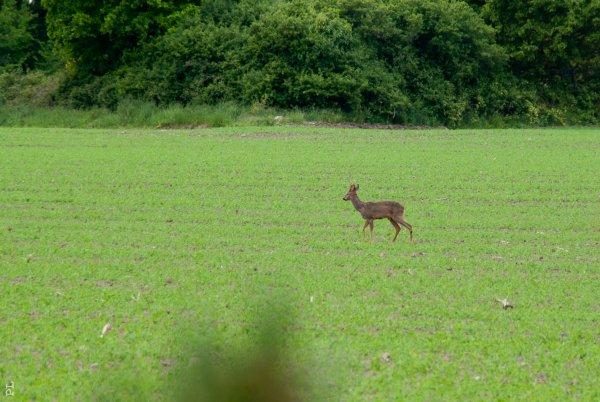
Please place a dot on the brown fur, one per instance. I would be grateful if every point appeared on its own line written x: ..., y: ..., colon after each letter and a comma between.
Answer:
x: 370, y: 211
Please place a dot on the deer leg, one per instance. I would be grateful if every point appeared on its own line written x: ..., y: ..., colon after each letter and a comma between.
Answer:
x: 396, y: 226
x: 371, y: 226
x: 406, y: 225
x: 364, y: 227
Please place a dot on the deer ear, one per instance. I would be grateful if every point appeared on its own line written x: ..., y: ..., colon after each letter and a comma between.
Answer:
x: 356, y: 187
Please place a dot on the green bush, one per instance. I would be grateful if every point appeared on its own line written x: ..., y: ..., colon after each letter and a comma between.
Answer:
x: 404, y: 61
x: 555, y: 46
x: 16, y: 41
x: 433, y: 62
x: 34, y: 88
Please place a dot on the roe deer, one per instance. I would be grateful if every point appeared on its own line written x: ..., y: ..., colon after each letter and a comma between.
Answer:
x: 370, y: 211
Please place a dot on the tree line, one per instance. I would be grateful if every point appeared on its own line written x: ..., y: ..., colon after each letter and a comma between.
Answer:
x: 432, y: 62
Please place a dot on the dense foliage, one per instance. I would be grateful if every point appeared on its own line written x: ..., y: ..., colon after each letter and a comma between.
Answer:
x: 405, y: 61
x: 554, y: 44
x: 16, y: 40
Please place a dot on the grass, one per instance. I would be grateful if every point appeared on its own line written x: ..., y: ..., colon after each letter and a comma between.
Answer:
x: 175, y: 237
x: 140, y: 114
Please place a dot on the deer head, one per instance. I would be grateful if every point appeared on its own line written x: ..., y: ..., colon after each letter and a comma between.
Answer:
x: 351, y: 192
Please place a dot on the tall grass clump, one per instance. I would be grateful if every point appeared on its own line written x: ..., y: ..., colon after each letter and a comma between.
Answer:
x: 145, y: 114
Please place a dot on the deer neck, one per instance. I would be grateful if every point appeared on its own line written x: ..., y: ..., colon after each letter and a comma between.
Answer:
x: 358, y: 204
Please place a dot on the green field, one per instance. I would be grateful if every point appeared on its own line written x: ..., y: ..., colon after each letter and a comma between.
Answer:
x: 173, y: 235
